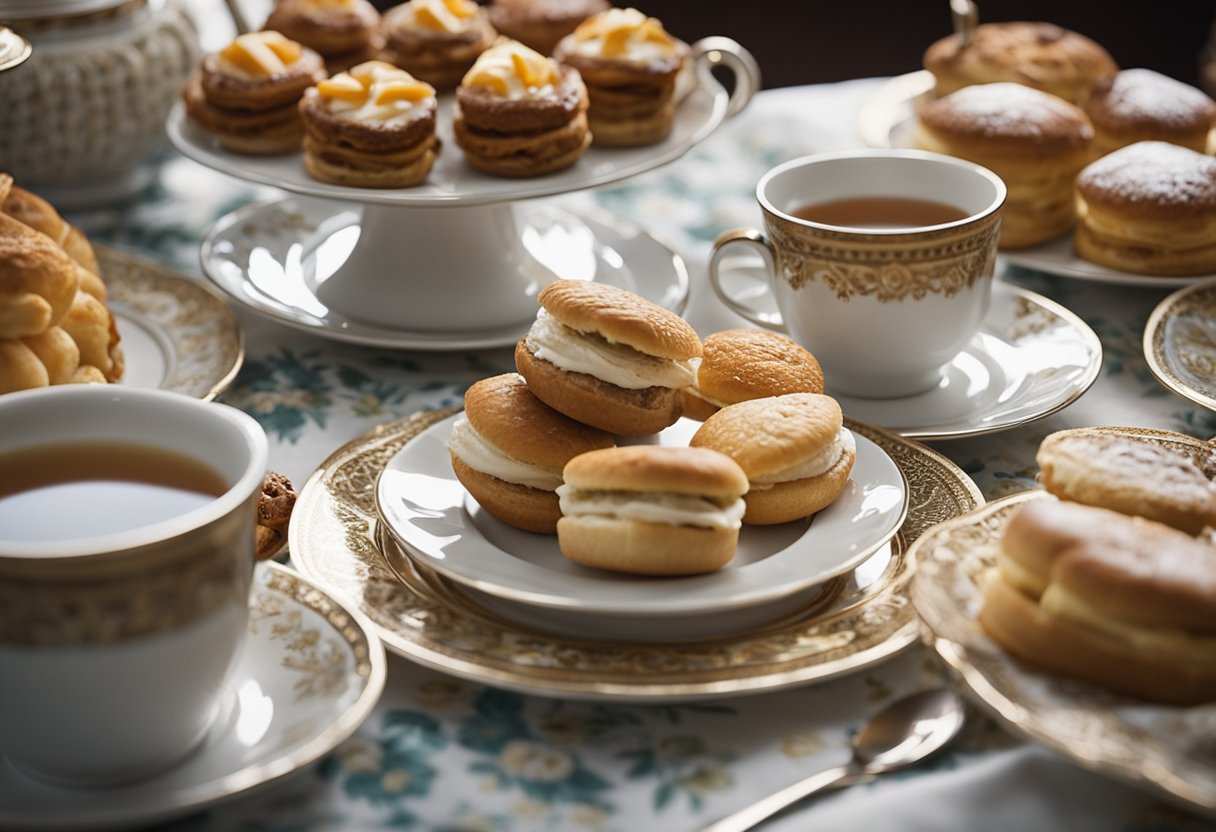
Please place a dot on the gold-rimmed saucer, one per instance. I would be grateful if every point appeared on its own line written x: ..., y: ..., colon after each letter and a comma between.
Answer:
x: 334, y: 538
x: 1180, y: 343
x: 1166, y: 749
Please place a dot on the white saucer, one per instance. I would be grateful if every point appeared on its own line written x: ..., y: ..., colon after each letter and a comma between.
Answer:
x: 274, y: 257
x: 1031, y: 358
x: 311, y: 672
x: 431, y: 515
x: 888, y: 119
x: 177, y: 334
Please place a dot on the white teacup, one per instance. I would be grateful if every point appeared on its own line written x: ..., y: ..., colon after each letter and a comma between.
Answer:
x: 883, y: 308
x: 116, y: 643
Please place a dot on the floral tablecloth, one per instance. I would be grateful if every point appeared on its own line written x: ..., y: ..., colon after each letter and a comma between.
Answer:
x: 444, y: 754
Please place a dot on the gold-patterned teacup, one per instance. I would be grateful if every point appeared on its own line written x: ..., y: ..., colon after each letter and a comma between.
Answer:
x: 896, y: 282
x: 126, y: 560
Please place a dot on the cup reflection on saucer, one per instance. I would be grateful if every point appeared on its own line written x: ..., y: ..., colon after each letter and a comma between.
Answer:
x: 880, y: 263
x: 124, y: 575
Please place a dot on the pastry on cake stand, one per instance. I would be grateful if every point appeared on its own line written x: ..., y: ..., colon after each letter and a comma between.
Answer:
x: 456, y: 262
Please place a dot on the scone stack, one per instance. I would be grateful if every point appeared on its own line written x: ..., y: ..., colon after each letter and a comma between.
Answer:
x: 55, y: 327
x: 1107, y: 583
x: 537, y: 449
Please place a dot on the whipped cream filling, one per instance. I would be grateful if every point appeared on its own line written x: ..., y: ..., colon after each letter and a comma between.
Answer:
x: 818, y: 464
x: 651, y: 507
x: 392, y: 114
x: 476, y: 452
x: 633, y: 35
x: 578, y: 352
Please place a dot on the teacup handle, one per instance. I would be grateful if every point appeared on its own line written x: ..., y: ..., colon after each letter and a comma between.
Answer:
x: 755, y: 240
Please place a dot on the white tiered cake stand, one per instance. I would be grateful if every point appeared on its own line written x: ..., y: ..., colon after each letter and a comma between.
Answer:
x: 454, y: 263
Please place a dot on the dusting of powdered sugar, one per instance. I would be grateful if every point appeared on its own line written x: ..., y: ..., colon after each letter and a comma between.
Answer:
x: 1145, y: 97
x: 1008, y: 109
x: 1153, y: 173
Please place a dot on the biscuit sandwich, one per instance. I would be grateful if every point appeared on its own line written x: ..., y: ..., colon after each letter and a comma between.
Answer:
x: 742, y: 364
x: 795, y: 450
x: 510, y: 449
x: 607, y: 357
x: 1130, y: 476
x: 1121, y: 602
x: 651, y: 510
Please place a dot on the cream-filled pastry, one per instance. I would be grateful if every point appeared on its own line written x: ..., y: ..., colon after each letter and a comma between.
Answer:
x: 795, y: 450
x: 607, y: 357
x: 246, y: 95
x: 373, y: 127
x: 651, y: 510
x: 738, y: 365
x: 436, y: 40
x: 510, y: 449
x: 343, y: 32
x: 540, y: 24
x: 519, y: 114
x: 629, y: 63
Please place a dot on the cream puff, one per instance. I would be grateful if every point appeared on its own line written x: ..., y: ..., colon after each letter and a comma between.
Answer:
x: 742, y: 364
x: 630, y: 64
x: 651, y: 510
x: 343, y: 32
x: 436, y: 40
x: 540, y: 24
x: 1139, y: 105
x: 1121, y: 602
x: 519, y: 114
x: 795, y: 450
x: 246, y: 95
x: 373, y: 127
x: 1034, y: 141
x: 1039, y: 55
x: 1149, y: 208
x: 1127, y: 475
x: 510, y: 449
x: 607, y: 357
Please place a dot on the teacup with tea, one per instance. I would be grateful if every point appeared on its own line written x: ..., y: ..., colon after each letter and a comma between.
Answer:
x: 880, y: 262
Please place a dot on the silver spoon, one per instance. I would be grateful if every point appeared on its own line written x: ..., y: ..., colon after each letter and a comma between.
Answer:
x: 903, y: 733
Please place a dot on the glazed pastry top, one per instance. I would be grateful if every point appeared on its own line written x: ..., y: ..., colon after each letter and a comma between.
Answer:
x: 259, y: 56
x: 376, y: 92
x: 513, y: 71
x: 623, y: 34
x: 439, y: 16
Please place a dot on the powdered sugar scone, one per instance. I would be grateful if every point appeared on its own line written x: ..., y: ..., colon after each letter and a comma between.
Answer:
x: 519, y: 114
x: 436, y: 41
x: 343, y: 32
x: 510, y: 449
x: 373, y: 127
x: 607, y: 357
x: 630, y: 65
x: 795, y: 450
x: 1149, y: 208
x: 1034, y: 141
x: 246, y: 95
x: 1140, y: 105
x: 738, y: 365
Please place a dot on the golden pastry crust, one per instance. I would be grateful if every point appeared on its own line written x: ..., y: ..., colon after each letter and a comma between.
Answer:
x: 598, y: 403
x: 540, y: 24
x: 330, y: 30
x: 38, y: 281
x: 620, y: 316
x: 638, y: 548
x: 1039, y: 55
x: 91, y: 326
x: 510, y: 417
x: 1034, y: 141
x: 260, y: 132
x: 742, y: 364
x: 37, y: 213
x: 656, y: 468
x: 230, y: 92
x: 787, y: 501
x: 1128, y: 476
x: 1141, y: 105
x: 439, y: 58
x: 772, y: 434
x: 326, y: 128
x: 482, y: 109
x: 531, y: 509
x: 1149, y: 208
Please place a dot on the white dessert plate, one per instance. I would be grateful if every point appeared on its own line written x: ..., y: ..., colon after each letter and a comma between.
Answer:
x: 1165, y: 749
x: 431, y: 515
x: 453, y: 182
x: 888, y: 119
x: 273, y: 257
x: 177, y: 334
x: 1180, y: 343
x: 310, y: 673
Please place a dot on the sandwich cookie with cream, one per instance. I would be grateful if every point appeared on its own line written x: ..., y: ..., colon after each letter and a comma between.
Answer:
x: 738, y: 365
x: 651, y: 510
x: 510, y: 448
x: 795, y: 450
x: 607, y: 357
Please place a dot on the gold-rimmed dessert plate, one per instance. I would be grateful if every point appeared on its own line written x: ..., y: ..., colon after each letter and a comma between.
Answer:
x: 1180, y: 343
x: 336, y: 538
x: 1166, y: 749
